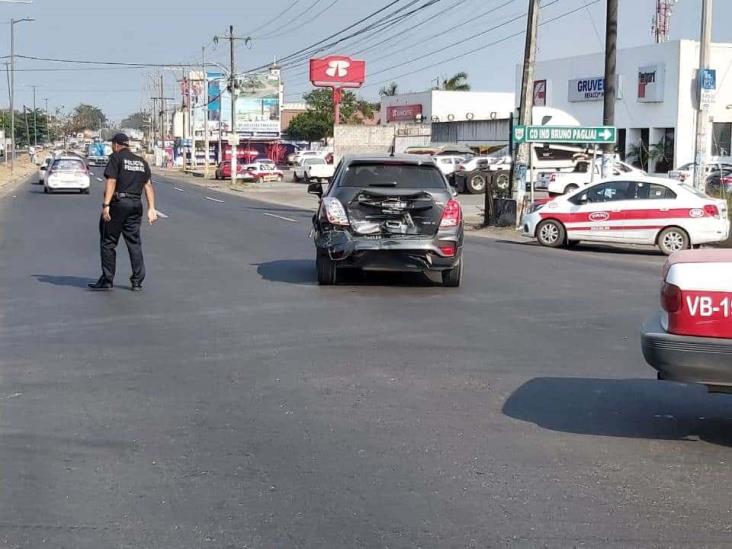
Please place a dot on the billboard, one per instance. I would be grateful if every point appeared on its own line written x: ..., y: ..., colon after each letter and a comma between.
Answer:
x: 403, y: 113
x: 586, y: 89
x: 258, y: 105
x: 651, y: 83
x: 337, y: 71
x: 540, y: 93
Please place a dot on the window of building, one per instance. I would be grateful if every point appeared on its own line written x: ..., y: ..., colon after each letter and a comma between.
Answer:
x: 722, y: 139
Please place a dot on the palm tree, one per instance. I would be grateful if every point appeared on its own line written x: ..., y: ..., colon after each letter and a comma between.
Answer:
x: 388, y: 90
x: 459, y: 82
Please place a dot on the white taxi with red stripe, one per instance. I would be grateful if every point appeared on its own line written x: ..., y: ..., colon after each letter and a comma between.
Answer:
x: 631, y: 210
x: 691, y: 339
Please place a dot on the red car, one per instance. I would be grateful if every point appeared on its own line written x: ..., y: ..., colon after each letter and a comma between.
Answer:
x: 690, y: 341
x: 224, y: 171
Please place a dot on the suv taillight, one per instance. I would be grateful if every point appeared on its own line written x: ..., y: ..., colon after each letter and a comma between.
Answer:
x: 670, y: 298
x: 452, y: 215
x: 334, y: 211
x: 711, y: 210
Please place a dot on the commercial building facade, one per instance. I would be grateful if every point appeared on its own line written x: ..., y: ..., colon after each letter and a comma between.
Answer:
x: 656, y: 99
x: 445, y: 106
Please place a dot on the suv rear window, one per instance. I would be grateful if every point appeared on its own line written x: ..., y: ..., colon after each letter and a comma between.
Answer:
x: 399, y: 176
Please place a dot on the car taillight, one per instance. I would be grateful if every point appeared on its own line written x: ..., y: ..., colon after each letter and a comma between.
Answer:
x: 448, y: 250
x: 711, y: 210
x: 452, y: 215
x: 334, y: 211
x: 670, y: 298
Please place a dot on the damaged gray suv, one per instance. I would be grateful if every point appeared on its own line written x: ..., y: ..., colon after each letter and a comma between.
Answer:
x: 388, y: 213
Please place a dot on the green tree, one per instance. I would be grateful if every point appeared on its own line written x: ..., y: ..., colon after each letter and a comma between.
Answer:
x: 353, y: 109
x: 458, y: 82
x: 309, y: 126
x: 86, y: 117
x: 136, y: 121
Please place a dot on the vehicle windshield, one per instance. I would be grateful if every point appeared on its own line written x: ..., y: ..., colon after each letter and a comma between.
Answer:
x: 68, y: 165
x: 400, y: 176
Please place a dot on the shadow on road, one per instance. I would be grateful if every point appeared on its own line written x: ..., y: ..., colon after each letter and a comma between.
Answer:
x: 594, y: 248
x: 62, y: 280
x: 292, y: 271
x: 629, y: 408
x: 302, y: 271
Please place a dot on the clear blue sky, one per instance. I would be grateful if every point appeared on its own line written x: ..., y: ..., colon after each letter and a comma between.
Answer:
x: 173, y: 31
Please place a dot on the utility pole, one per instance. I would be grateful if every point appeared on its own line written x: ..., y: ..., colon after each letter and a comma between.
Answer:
x: 206, y: 143
x: 48, y: 127
x: 702, y: 112
x: 35, y: 119
x: 526, y: 105
x: 12, y: 89
x: 162, y: 115
x: 232, y: 91
x: 611, y: 46
x: 183, y: 112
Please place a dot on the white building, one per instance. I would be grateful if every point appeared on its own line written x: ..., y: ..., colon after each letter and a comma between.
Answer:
x: 656, y: 97
x: 446, y: 106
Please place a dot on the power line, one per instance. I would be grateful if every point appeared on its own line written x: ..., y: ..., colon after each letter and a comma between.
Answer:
x: 295, y: 19
x: 275, y: 18
x: 474, y: 50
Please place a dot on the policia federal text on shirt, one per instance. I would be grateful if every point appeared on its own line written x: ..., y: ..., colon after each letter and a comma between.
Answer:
x: 128, y: 175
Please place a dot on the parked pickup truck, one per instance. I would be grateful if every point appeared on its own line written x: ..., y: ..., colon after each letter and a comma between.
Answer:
x: 565, y: 182
x: 313, y: 169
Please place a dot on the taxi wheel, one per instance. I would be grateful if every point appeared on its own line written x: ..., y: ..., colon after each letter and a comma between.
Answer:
x: 673, y: 239
x: 280, y: 179
x: 551, y: 233
x: 570, y: 188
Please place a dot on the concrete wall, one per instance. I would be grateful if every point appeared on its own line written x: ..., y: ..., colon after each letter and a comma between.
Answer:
x: 457, y: 105
x: 349, y: 139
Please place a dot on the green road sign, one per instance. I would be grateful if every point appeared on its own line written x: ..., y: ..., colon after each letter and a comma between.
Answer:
x: 565, y: 134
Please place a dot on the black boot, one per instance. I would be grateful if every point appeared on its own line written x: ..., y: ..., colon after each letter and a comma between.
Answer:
x: 101, y: 285
x: 136, y: 287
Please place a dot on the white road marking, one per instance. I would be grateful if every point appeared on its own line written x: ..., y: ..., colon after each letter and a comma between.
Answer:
x: 14, y: 395
x: 213, y: 199
x: 100, y: 179
x: 161, y: 214
x: 179, y: 190
x: 281, y: 217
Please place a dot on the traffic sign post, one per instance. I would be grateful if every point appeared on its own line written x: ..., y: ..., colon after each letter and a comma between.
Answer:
x: 565, y: 134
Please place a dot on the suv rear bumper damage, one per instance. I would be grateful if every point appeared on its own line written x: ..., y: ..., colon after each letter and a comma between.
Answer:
x: 387, y: 253
x: 687, y: 359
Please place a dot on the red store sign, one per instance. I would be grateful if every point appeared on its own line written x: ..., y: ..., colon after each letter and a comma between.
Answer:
x: 403, y: 113
x: 337, y: 71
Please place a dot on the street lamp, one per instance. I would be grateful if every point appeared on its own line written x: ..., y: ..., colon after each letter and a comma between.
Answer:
x: 12, y: 88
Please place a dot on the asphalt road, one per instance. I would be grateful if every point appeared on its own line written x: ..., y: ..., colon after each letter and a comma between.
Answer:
x: 234, y: 403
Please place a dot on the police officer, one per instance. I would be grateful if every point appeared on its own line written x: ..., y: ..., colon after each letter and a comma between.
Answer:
x: 128, y: 175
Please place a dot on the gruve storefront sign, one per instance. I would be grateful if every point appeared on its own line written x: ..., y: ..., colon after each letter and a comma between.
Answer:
x: 651, y: 83
x: 586, y: 89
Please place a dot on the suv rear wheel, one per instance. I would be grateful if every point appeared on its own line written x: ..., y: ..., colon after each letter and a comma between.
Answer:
x: 476, y: 183
x: 326, y: 268
x: 454, y: 276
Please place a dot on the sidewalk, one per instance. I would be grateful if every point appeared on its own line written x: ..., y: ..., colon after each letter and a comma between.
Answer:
x: 295, y: 195
x: 23, y: 169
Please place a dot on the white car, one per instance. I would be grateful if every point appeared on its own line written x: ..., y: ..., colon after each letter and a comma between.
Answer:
x: 448, y: 163
x: 297, y: 157
x: 630, y: 210
x: 690, y: 340
x: 65, y: 174
x: 313, y: 168
x: 686, y: 171
x: 566, y: 182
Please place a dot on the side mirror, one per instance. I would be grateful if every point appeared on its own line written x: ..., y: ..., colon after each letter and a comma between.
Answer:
x: 453, y: 191
x: 316, y: 189
x: 583, y: 198
x: 43, y: 168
